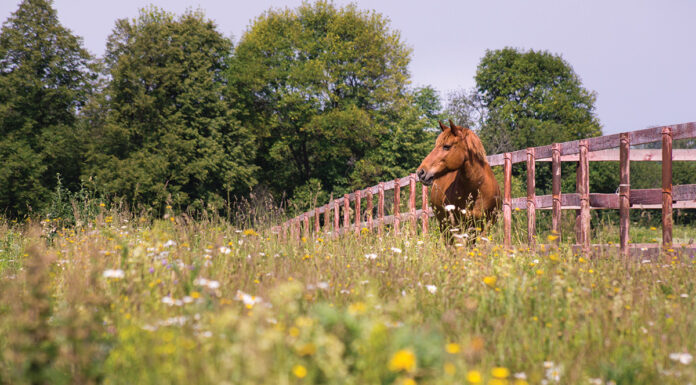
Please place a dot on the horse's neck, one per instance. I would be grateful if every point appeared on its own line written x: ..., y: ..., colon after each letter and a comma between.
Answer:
x: 471, y: 174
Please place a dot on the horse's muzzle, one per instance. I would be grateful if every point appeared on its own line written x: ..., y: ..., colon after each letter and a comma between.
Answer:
x: 425, y: 177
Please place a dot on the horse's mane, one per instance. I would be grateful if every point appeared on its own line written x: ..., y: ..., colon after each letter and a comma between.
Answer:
x: 473, y: 143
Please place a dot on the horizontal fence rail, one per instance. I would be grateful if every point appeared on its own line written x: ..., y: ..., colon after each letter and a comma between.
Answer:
x: 615, y: 147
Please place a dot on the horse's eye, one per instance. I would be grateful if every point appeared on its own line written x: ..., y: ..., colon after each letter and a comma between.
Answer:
x: 446, y: 147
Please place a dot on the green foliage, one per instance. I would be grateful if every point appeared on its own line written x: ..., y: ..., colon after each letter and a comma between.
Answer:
x: 318, y: 84
x: 407, y: 141
x: 534, y: 98
x: 167, y: 132
x: 45, y: 79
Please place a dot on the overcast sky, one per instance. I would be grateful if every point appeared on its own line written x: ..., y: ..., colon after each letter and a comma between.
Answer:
x: 638, y: 56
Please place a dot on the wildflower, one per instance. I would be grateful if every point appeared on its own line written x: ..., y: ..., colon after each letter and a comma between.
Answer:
x: 500, y: 372
x: 299, y: 371
x: 452, y: 348
x: 553, y: 371
x: 307, y: 349
x: 169, y: 243
x: 225, y: 250
x: 552, y: 238
x: 250, y: 232
x: 431, y: 288
x: 404, y: 359
x: 409, y: 381
x: 371, y: 256
x: 396, y: 250
x: 449, y: 207
x: 474, y: 377
x: 490, y: 280
x: 357, y: 308
x: 450, y: 368
x: 210, y: 284
x: 684, y: 358
x: 248, y: 300
x: 115, y: 274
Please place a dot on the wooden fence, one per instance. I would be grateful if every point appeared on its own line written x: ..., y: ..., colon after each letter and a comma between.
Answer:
x: 615, y: 147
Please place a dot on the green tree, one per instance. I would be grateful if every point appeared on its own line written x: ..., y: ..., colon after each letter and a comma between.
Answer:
x: 45, y: 79
x: 167, y: 131
x: 533, y: 98
x: 406, y: 142
x: 319, y: 84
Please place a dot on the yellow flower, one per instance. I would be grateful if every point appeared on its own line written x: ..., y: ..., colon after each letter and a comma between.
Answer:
x: 404, y: 359
x: 299, y: 371
x: 450, y: 368
x: 490, y: 280
x: 195, y: 294
x: 452, y: 348
x: 474, y: 377
x: 540, y: 272
x: 357, y: 308
x: 500, y: 372
x: 307, y: 349
x: 552, y: 238
x: 409, y: 381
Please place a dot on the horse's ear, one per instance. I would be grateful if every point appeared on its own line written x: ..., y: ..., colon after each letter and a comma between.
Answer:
x: 442, y: 126
x: 455, y: 129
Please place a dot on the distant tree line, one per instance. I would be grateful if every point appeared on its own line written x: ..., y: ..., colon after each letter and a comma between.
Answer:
x: 309, y: 102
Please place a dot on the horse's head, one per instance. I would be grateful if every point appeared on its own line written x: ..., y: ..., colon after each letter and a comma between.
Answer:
x: 454, y: 147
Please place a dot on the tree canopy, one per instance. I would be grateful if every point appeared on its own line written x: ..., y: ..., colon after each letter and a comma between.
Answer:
x: 169, y: 133
x: 319, y: 85
x: 44, y: 81
x: 533, y: 98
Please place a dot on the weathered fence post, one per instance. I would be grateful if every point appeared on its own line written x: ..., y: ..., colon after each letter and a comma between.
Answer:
x: 424, y: 214
x: 306, y: 228
x: 507, y: 201
x: 358, y: 195
x: 624, y: 192
x: 397, y: 203
x: 316, y: 221
x: 369, y: 209
x: 284, y: 231
x: 531, y: 199
x: 298, y: 230
x: 556, y: 192
x: 346, y: 213
x: 380, y: 207
x: 583, y: 188
x: 327, y: 214
x: 412, y: 201
x: 336, y: 217
x: 666, y: 187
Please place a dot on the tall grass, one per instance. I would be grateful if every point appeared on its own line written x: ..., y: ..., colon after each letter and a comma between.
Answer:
x: 131, y: 299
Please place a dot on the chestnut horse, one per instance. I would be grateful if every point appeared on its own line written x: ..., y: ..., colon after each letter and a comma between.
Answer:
x: 464, y: 191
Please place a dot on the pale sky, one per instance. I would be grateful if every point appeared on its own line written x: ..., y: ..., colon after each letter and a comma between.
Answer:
x: 638, y: 56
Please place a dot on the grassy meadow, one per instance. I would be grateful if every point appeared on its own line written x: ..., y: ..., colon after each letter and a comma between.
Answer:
x: 123, y: 299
